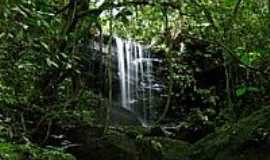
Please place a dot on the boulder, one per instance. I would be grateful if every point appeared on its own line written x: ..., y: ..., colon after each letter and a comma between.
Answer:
x: 247, y: 139
x: 125, y: 143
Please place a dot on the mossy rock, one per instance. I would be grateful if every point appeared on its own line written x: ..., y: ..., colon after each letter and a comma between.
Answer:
x: 119, y: 142
x: 93, y: 144
x: 247, y: 139
x: 125, y: 143
x: 171, y: 149
x: 10, y: 151
x: 132, y: 140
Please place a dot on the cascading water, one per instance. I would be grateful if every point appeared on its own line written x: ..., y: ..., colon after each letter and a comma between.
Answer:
x: 135, y: 76
x: 122, y: 73
x: 137, y: 92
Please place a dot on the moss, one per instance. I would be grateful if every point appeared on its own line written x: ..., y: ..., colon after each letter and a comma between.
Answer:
x: 171, y: 148
x: 122, y: 142
x: 134, y: 139
x: 10, y: 151
x: 133, y: 144
x: 234, y: 141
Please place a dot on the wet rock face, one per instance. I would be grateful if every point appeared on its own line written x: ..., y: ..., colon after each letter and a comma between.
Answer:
x: 120, y: 116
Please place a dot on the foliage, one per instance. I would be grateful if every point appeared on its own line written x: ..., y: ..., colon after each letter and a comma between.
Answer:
x: 216, y: 56
x: 10, y: 151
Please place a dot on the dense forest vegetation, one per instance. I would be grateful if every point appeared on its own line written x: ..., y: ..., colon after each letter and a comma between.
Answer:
x: 59, y: 94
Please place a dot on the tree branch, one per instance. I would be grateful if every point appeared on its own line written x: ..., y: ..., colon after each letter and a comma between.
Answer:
x: 230, y: 52
x: 236, y: 8
x: 207, y: 14
x: 106, y: 6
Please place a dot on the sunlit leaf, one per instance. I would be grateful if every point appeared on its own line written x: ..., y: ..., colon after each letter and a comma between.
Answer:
x: 45, y: 46
x: 51, y: 63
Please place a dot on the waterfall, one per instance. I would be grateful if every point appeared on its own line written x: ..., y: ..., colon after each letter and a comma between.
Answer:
x: 135, y: 78
x: 137, y: 93
x: 121, y: 69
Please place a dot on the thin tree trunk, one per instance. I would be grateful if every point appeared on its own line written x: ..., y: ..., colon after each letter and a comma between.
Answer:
x: 228, y: 68
x: 168, y: 102
x: 109, y: 62
x: 168, y: 39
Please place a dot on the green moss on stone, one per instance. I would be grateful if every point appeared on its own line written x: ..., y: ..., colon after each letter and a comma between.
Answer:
x: 235, y: 141
x: 172, y: 149
x: 10, y: 151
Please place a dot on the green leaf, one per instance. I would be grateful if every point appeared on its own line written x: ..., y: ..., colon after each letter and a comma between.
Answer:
x: 20, y: 11
x: 45, y: 46
x: 241, y: 91
x: 51, y: 63
x: 2, y: 35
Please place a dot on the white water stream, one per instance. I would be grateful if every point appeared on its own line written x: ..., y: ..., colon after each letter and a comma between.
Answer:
x: 135, y: 76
